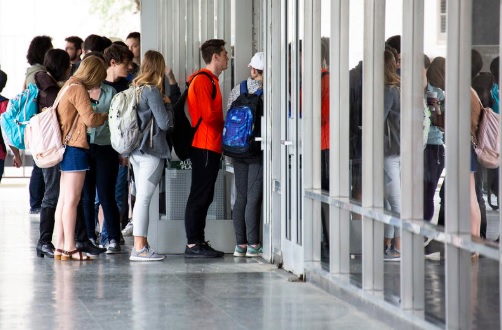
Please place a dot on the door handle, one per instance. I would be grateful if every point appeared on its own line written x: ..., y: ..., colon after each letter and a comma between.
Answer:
x: 286, y: 143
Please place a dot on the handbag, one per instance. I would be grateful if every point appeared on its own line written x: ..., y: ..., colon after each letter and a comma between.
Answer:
x: 488, y: 145
x: 43, y: 136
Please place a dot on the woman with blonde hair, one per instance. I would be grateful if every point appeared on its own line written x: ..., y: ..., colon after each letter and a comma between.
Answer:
x: 155, y: 117
x: 75, y: 115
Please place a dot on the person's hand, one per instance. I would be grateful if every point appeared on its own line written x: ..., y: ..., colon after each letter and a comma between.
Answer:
x: 105, y: 115
x: 167, y: 99
x: 17, y: 162
x: 170, y: 75
x: 123, y: 161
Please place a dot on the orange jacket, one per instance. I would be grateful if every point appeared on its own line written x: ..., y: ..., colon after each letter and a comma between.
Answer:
x: 201, y: 104
x: 324, y: 110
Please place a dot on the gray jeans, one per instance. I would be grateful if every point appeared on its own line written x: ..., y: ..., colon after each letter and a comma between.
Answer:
x: 249, y: 194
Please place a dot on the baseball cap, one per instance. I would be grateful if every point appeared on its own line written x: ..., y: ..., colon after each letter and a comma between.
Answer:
x: 257, y: 61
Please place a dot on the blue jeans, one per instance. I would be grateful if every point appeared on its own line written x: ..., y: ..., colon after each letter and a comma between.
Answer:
x: 37, y: 187
x: 101, y: 177
x: 121, y: 191
x: 392, y: 191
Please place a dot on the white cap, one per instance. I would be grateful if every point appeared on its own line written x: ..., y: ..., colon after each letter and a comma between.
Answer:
x: 257, y: 61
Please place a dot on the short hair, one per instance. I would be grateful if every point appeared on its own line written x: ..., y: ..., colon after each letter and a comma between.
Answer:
x: 94, y: 43
x: 210, y: 47
x: 427, y: 61
x: 436, y: 72
x: 118, y: 53
x: 3, y: 80
x: 119, y: 42
x: 91, y: 72
x: 152, y: 70
x: 394, y: 42
x: 57, y: 62
x: 76, y: 41
x: 134, y: 35
x: 38, y: 47
x: 494, y: 68
x: 96, y: 54
x: 106, y: 42
x: 476, y: 62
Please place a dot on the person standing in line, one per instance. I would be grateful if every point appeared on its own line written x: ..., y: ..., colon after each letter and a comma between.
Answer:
x: 57, y: 63
x: 103, y: 159
x: 73, y: 47
x: 155, y: 117
x: 248, y: 178
x: 35, y: 56
x: 75, y: 115
x: 392, y: 159
x: 207, y: 113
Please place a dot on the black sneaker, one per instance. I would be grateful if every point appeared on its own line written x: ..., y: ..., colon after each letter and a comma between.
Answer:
x: 202, y: 250
x: 89, y: 248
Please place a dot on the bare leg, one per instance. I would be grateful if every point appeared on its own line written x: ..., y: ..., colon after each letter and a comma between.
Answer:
x: 475, y: 212
x: 58, y: 224
x: 139, y: 242
x: 73, y: 183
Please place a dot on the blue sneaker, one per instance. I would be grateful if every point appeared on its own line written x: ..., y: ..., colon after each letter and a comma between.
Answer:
x: 256, y: 251
x: 240, y: 251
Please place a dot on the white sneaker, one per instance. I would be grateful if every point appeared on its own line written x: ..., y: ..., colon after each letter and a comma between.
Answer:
x: 145, y: 254
x: 127, y: 231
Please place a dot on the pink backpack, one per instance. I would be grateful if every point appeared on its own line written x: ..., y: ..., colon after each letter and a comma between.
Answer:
x: 43, y: 136
x: 488, y: 146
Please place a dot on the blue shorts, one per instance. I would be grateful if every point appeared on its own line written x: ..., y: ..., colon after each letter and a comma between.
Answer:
x: 74, y: 160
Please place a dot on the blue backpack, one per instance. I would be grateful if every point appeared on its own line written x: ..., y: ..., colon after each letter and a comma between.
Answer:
x: 19, y: 111
x: 243, y: 124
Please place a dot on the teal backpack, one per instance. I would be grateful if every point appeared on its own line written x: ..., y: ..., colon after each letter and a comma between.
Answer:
x: 19, y: 111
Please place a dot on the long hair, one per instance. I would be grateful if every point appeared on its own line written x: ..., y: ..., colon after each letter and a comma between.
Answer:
x: 390, y: 70
x: 152, y: 70
x: 91, y: 72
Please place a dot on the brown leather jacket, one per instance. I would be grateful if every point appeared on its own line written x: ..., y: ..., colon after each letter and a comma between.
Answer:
x: 76, y: 101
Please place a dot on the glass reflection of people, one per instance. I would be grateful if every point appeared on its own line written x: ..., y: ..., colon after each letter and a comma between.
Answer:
x: 392, y: 159
x: 325, y: 137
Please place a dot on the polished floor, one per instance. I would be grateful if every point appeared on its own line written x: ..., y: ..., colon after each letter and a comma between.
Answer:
x: 113, y: 293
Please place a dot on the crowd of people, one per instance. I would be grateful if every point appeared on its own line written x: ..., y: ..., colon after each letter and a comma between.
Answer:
x: 94, y: 178
x: 83, y: 202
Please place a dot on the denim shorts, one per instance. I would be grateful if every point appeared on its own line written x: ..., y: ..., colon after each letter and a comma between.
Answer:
x: 74, y: 160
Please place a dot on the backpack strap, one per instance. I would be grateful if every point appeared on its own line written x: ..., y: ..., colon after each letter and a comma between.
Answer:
x: 213, y: 95
x: 244, y: 87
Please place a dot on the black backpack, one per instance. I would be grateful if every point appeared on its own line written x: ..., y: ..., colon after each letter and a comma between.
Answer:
x: 183, y: 132
x: 243, y: 124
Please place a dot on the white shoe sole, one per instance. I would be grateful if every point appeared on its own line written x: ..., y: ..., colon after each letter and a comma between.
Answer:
x: 133, y: 258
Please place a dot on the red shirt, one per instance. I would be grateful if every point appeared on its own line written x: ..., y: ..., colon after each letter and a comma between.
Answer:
x: 200, y: 104
x: 3, y: 107
x: 324, y: 110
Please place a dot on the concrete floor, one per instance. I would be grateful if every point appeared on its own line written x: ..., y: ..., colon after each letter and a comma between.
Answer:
x: 113, y: 293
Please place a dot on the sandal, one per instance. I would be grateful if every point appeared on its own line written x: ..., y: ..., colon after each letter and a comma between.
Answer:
x: 58, y: 256
x: 69, y: 255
